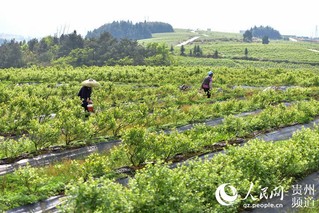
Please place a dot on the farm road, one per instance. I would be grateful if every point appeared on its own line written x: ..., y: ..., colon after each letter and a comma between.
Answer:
x: 48, y: 205
x: 46, y: 159
x: 188, y: 41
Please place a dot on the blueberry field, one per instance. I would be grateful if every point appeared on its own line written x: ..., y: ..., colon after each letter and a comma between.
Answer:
x: 155, y: 142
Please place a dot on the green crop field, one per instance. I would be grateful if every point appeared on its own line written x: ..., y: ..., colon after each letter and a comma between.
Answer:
x: 181, y: 35
x: 231, y: 45
x: 156, y: 123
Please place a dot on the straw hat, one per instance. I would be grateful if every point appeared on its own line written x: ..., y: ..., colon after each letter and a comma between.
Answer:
x: 90, y: 83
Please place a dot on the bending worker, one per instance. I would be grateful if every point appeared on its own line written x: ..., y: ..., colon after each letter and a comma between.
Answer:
x: 207, y: 84
x: 85, y: 95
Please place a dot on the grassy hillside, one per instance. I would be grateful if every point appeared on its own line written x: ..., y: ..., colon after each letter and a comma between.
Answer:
x: 181, y: 35
x: 230, y: 46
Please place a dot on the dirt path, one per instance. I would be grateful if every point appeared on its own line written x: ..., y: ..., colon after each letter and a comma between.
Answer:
x: 316, y: 51
x: 188, y: 41
x: 46, y: 159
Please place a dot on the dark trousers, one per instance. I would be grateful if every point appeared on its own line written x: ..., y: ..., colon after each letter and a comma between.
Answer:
x: 85, y: 105
x: 207, y: 91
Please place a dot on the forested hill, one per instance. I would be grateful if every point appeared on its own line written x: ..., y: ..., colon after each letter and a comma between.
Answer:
x: 128, y: 30
x: 262, y: 31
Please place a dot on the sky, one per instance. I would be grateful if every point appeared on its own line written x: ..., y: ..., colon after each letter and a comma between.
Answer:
x: 38, y: 18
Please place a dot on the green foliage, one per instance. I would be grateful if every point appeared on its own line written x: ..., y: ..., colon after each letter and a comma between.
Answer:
x: 30, y: 179
x: 97, y: 196
x: 11, y: 148
x: 136, y: 146
x: 133, y: 104
x: 68, y: 43
x: 191, y: 188
x: 248, y: 36
x: 161, y: 189
x: 135, y: 96
x: 43, y: 134
x: 72, y: 128
x: 197, y: 51
x: 72, y: 49
x: 268, y: 31
x: 10, y: 55
x: 160, y: 56
x: 265, y: 40
x: 95, y: 165
x: 182, y: 50
x: 246, y: 52
x: 216, y: 54
x: 30, y: 186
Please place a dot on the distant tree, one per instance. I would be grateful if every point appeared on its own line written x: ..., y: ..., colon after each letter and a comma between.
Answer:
x: 72, y: 49
x: 262, y: 31
x: 11, y: 55
x: 246, y: 52
x: 182, y: 50
x: 32, y: 44
x: 77, y: 57
x: 215, y: 55
x: 248, y: 36
x: 197, y: 51
x: 45, y: 50
x: 70, y: 42
x: 200, y: 51
x: 159, y: 27
x: 128, y: 30
x: 161, y: 56
x: 172, y: 49
x: 104, y: 48
x: 265, y: 40
x: 130, y: 51
x: 43, y: 46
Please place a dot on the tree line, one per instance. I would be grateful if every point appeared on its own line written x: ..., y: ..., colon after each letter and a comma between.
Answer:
x: 72, y: 49
x: 128, y: 30
x: 262, y: 32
